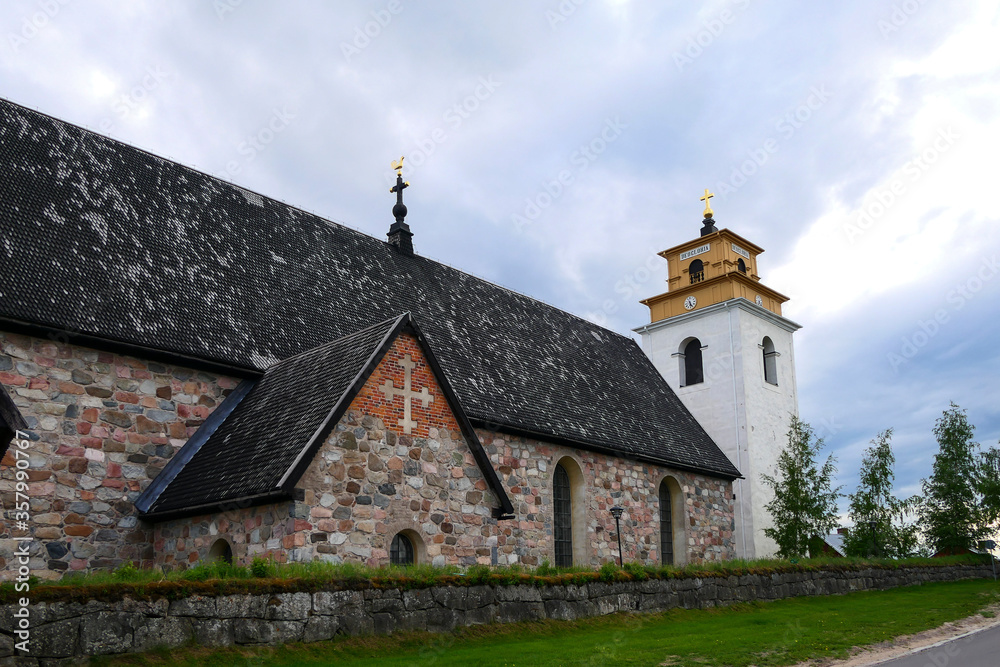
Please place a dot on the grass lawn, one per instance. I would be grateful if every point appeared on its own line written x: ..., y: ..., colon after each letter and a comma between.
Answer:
x: 772, y: 633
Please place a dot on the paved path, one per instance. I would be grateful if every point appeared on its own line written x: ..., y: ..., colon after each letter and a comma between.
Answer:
x: 981, y: 649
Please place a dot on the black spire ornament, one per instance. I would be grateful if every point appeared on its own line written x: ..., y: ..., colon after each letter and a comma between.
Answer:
x: 399, y: 233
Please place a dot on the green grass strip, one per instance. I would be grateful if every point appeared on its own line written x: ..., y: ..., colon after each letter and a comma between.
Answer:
x: 783, y: 632
x: 265, y: 576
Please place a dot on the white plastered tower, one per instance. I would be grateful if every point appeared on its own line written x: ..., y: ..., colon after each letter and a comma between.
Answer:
x: 742, y: 389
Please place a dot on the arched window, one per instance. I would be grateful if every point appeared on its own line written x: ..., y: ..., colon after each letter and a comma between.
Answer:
x: 562, y: 517
x: 691, y: 366
x: 569, y: 514
x: 666, y: 526
x: 770, y: 362
x: 672, y: 538
x: 697, y: 271
x: 221, y: 551
x: 741, y: 265
x: 401, y: 550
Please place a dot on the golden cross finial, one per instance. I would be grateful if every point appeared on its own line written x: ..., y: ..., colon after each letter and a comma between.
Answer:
x: 398, y: 166
x: 708, y: 209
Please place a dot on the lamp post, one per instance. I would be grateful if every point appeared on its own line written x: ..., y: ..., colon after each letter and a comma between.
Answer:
x: 873, y: 523
x: 616, y: 512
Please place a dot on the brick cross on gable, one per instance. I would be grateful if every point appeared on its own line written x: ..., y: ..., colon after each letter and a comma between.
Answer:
x: 407, y: 393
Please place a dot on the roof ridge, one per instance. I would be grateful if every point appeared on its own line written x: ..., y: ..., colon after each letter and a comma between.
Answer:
x: 317, y: 216
x: 527, y: 296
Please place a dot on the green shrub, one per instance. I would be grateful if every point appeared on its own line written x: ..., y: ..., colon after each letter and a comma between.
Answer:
x: 127, y: 571
x: 262, y: 567
x: 478, y: 574
x: 609, y: 571
x: 637, y: 571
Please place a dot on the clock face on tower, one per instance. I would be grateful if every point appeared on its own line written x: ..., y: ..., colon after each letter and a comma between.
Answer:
x: 690, y: 302
x: 760, y: 301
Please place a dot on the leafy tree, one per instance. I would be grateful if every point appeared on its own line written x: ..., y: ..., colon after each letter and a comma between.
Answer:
x: 989, y: 488
x: 892, y: 536
x: 952, y: 516
x: 805, y: 504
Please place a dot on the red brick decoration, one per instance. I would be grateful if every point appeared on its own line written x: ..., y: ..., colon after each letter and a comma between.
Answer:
x: 372, y: 399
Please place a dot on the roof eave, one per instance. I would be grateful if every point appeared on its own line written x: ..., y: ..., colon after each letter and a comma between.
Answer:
x: 601, y: 449
x: 242, y: 502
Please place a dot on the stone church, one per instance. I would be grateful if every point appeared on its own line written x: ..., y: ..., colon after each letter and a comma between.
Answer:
x: 193, y: 371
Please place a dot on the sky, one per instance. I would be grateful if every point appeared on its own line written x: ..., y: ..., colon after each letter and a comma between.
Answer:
x: 554, y: 147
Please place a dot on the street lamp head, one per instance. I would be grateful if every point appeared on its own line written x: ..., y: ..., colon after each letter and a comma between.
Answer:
x: 616, y: 512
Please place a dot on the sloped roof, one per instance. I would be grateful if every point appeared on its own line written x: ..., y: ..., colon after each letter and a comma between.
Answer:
x: 836, y: 542
x: 103, y: 239
x: 269, y: 437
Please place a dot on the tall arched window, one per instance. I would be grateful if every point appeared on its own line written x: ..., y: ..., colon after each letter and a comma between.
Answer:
x: 401, y: 550
x: 562, y: 519
x: 697, y: 271
x: 673, y: 542
x: 741, y: 265
x: 691, y: 366
x: 770, y: 362
x: 666, y: 526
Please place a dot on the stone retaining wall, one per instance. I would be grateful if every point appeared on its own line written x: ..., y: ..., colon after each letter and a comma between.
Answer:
x: 60, y: 630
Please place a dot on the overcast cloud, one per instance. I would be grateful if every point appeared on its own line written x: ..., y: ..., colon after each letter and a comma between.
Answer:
x: 555, y: 147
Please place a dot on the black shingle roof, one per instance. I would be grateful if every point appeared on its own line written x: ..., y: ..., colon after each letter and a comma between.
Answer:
x: 277, y: 425
x: 107, y: 240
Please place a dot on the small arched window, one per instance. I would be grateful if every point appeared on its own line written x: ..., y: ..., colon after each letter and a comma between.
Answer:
x: 741, y: 265
x: 221, y: 552
x: 691, y: 366
x: 770, y: 361
x: 697, y: 271
x: 562, y: 517
x: 401, y: 550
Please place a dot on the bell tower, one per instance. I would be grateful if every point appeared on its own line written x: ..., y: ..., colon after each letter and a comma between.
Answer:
x: 718, y: 337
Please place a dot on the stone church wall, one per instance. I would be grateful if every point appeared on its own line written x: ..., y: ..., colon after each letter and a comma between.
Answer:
x: 107, y: 424
x: 369, y: 481
x: 104, y: 425
x: 527, y: 467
